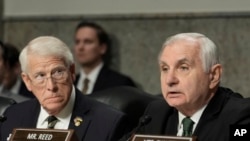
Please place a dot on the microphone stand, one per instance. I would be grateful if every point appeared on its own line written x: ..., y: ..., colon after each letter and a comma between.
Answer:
x: 2, y: 118
x: 143, y: 121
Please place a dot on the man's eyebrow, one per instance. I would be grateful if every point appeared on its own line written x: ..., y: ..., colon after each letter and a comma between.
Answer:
x: 183, y: 60
x: 162, y: 62
x: 58, y: 68
x: 180, y: 61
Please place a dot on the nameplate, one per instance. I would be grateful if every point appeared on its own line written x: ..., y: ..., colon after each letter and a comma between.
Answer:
x: 139, y: 137
x: 28, y: 134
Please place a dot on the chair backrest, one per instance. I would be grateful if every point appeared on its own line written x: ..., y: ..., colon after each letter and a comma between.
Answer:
x: 129, y: 100
x: 5, y: 103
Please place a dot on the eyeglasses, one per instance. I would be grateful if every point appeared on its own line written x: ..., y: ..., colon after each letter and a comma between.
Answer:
x: 58, y: 75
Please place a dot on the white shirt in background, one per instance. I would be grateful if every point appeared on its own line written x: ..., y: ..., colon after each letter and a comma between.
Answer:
x: 92, y: 76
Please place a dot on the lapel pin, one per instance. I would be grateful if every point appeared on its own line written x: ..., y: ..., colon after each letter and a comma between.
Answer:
x: 78, y: 121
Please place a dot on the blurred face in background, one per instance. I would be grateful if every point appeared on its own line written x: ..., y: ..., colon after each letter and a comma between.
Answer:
x: 11, y: 75
x: 88, y: 50
x: 2, y: 67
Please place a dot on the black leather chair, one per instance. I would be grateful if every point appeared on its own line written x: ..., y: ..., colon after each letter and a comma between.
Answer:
x: 5, y: 103
x: 129, y: 100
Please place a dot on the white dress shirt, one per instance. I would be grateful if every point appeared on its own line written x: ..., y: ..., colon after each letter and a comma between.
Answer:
x: 15, y: 89
x: 195, y: 118
x: 92, y: 76
x: 63, y: 117
x: 1, y: 89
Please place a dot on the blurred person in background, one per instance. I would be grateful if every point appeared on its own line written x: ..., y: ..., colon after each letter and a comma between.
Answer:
x: 12, y: 85
x: 92, y: 48
x: 2, y: 67
x: 12, y: 80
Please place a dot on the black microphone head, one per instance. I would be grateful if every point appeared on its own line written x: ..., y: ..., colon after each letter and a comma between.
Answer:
x: 142, y: 122
x: 145, y: 120
x: 2, y: 118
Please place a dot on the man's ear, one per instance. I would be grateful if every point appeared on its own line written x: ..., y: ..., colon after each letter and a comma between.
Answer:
x: 103, y: 49
x: 73, y: 72
x: 27, y: 81
x: 215, y: 75
x: 17, y: 68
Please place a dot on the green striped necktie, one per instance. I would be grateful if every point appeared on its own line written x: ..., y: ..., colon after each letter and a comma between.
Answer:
x: 187, y: 127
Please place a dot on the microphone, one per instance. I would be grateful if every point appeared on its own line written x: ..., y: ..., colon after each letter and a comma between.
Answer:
x: 142, y: 122
x: 2, y: 118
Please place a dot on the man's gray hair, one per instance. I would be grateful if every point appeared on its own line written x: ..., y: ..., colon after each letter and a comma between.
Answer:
x: 45, y: 46
x: 209, y: 52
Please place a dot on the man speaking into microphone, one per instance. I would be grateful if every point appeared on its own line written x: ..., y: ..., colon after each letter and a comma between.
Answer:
x: 194, y: 104
x: 48, y: 71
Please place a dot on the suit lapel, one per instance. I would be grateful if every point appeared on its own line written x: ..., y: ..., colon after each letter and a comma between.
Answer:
x: 30, y: 120
x: 79, y: 120
x: 79, y: 128
x: 172, y: 123
x: 164, y: 119
x: 100, y: 81
x: 212, y: 110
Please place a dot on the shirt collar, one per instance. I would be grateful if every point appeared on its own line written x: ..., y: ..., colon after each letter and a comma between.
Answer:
x: 195, y: 117
x: 64, y: 115
x: 15, y: 88
x: 92, y: 76
x: 1, y: 89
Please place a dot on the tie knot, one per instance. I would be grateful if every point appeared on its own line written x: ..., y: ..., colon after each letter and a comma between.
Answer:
x: 52, y: 121
x: 86, y: 80
x: 187, y: 126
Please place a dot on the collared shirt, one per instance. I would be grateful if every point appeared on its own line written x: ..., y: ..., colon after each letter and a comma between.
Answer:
x: 63, y: 117
x: 195, y: 118
x: 1, y: 89
x: 92, y: 76
x: 15, y: 89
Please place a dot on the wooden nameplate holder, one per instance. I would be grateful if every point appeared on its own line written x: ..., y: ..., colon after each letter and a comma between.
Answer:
x: 31, y: 134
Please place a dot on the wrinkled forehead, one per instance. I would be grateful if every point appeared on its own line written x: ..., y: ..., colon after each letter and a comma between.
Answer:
x: 187, y: 40
x: 181, y: 51
x: 174, y: 41
x: 36, y: 61
x: 182, y: 46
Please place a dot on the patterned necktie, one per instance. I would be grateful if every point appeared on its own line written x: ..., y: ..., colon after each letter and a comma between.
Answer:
x: 187, y: 127
x: 85, y: 85
x: 51, y: 122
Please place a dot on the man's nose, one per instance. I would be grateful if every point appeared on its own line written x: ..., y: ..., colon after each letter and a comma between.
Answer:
x: 171, y: 78
x: 51, y: 84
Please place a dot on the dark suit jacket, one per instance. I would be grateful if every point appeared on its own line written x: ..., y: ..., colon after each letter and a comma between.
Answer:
x: 5, y: 102
x: 100, y: 122
x: 223, y: 110
x: 108, y: 78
